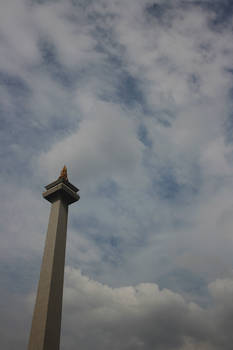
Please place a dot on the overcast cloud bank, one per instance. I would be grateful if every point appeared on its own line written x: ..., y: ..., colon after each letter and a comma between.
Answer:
x: 135, y: 97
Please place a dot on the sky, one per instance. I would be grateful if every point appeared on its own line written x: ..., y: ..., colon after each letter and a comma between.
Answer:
x: 136, y: 98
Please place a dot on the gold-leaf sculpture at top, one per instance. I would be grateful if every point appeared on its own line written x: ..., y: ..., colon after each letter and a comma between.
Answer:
x: 63, y: 174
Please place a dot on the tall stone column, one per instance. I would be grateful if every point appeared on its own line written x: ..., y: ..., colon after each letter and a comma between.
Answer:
x: 46, y: 322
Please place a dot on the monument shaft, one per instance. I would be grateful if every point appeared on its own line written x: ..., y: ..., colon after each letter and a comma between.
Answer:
x: 46, y: 322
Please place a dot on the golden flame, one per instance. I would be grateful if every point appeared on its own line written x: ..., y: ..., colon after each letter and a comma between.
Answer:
x: 63, y: 174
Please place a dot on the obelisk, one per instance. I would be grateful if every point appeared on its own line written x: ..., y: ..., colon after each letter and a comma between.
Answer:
x: 46, y: 322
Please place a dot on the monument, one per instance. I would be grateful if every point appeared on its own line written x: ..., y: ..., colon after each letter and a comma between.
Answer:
x: 46, y: 321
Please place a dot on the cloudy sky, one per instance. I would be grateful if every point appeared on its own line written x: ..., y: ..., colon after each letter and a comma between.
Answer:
x: 136, y: 98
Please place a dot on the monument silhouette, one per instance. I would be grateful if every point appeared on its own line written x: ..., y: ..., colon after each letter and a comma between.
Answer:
x: 46, y: 321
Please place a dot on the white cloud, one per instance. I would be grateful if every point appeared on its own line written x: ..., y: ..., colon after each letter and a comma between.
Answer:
x: 105, y: 145
x: 68, y: 31
x: 221, y: 290
x: 18, y: 37
x: 23, y: 223
x: 140, y: 317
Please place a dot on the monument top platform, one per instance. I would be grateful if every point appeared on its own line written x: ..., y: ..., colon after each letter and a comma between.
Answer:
x: 61, y: 188
x: 62, y: 180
